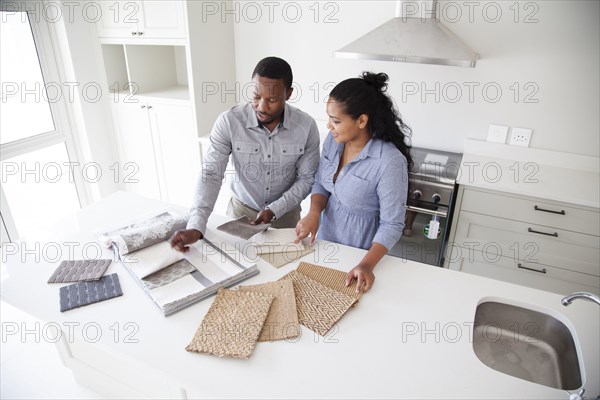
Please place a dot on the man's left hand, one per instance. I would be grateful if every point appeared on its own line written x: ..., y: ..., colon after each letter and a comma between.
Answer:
x: 263, y: 217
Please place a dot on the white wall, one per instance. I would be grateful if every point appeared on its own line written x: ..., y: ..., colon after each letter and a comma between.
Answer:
x: 554, y: 60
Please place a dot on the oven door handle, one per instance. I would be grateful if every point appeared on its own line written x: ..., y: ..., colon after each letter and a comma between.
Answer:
x: 442, y: 214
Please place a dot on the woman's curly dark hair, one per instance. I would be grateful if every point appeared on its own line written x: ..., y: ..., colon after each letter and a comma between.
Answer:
x: 366, y: 95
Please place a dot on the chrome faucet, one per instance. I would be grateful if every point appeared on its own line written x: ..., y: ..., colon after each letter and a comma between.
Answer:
x: 579, y: 295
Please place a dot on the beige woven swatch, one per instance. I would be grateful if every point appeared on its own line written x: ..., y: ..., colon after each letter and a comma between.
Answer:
x: 278, y: 260
x: 232, y: 324
x: 282, y: 321
x: 332, y: 278
x: 319, y: 307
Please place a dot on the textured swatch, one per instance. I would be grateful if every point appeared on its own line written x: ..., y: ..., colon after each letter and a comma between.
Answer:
x: 169, y: 274
x: 332, y: 278
x: 278, y: 260
x: 241, y: 228
x: 84, y: 293
x: 282, y: 320
x: 232, y: 325
x: 79, y: 270
x: 319, y: 307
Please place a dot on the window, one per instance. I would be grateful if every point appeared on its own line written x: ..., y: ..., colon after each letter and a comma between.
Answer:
x: 36, y: 148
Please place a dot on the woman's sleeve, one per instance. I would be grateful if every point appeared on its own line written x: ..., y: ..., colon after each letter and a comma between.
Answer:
x: 392, y: 189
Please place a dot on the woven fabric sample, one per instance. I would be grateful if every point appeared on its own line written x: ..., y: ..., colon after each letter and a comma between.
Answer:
x: 319, y: 307
x: 241, y: 228
x: 278, y: 260
x: 232, y: 325
x: 282, y: 321
x: 84, y: 293
x: 332, y: 278
x: 169, y: 274
x: 276, y: 241
x: 79, y: 271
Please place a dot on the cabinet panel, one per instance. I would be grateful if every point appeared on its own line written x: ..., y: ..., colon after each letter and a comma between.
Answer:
x: 555, y: 280
x: 178, y: 151
x: 524, y: 209
x: 163, y: 19
x: 569, y: 250
x: 119, y: 18
x: 137, y: 148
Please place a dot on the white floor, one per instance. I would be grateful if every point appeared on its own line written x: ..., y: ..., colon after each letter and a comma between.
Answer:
x: 30, y: 369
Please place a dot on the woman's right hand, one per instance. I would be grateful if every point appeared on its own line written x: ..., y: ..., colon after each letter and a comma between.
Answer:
x: 180, y: 240
x: 308, y: 226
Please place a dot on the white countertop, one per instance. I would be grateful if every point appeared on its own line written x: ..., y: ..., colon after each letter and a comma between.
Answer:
x: 409, y: 337
x: 545, y: 174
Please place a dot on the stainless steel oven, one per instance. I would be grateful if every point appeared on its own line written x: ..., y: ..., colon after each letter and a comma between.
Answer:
x: 432, y: 190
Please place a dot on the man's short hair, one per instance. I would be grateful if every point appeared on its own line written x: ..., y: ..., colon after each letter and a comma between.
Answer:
x: 274, y: 68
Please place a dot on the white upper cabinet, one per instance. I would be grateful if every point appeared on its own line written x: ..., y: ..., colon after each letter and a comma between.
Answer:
x: 148, y: 19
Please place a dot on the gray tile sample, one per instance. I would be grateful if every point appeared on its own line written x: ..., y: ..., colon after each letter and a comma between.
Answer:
x: 79, y: 271
x: 84, y: 293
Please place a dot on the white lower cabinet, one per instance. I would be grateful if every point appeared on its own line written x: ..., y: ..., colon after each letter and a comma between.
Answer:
x: 533, y: 242
x: 159, y: 149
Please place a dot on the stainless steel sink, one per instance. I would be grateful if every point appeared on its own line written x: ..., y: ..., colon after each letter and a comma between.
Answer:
x: 526, y: 344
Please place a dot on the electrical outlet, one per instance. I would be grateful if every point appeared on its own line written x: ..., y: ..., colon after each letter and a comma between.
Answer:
x: 497, y: 133
x: 520, y: 137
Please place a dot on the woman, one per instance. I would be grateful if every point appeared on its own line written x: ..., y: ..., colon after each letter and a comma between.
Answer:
x: 362, y: 181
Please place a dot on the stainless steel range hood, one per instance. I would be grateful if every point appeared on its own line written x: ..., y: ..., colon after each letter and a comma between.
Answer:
x: 421, y: 39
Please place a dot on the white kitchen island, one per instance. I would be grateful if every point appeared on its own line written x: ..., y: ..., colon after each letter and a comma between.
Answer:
x: 409, y: 337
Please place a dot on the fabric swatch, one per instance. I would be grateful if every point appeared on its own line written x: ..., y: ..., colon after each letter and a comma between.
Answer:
x: 282, y: 320
x: 144, y: 233
x: 241, y: 228
x: 278, y: 260
x: 332, y: 278
x: 319, y: 307
x: 169, y: 274
x: 79, y: 271
x: 84, y: 293
x: 233, y: 324
x: 276, y: 241
x: 152, y: 259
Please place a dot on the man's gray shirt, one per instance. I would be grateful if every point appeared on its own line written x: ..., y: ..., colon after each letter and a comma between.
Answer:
x: 272, y: 169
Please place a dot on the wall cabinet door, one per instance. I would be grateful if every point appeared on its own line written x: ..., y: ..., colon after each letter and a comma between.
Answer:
x: 137, y: 150
x: 177, y: 150
x: 148, y: 19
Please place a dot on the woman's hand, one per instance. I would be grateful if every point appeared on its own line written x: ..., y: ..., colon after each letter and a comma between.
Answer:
x: 364, y: 278
x: 308, y: 225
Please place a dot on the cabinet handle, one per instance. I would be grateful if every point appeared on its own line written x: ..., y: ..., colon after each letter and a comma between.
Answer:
x: 143, y: 106
x: 542, y: 233
x: 543, y: 271
x: 561, y: 212
x: 133, y: 33
x: 149, y: 107
x: 140, y: 33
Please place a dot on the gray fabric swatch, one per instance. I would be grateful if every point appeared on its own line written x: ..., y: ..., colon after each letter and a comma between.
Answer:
x: 169, y: 274
x: 199, y: 276
x: 79, y: 270
x: 241, y: 228
x: 84, y: 293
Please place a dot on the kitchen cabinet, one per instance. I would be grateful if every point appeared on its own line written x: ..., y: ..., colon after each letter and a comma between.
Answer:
x: 149, y: 19
x: 544, y: 244
x: 163, y: 87
x: 159, y: 150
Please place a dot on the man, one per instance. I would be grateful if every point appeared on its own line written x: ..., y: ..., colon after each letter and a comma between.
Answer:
x: 275, y: 153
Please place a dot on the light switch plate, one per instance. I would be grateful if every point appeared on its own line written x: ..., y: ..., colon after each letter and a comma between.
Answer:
x: 520, y: 137
x: 497, y: 133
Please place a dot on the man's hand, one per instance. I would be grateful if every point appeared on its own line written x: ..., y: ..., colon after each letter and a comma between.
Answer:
x: 182, y: 238
x: 263, y: 217
x: 364, y: 278
x: 308, y: 226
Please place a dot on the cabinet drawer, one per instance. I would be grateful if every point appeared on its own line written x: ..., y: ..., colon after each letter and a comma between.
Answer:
x: 520, y: 242
x: 546, y: 213
x: 554, y: 280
